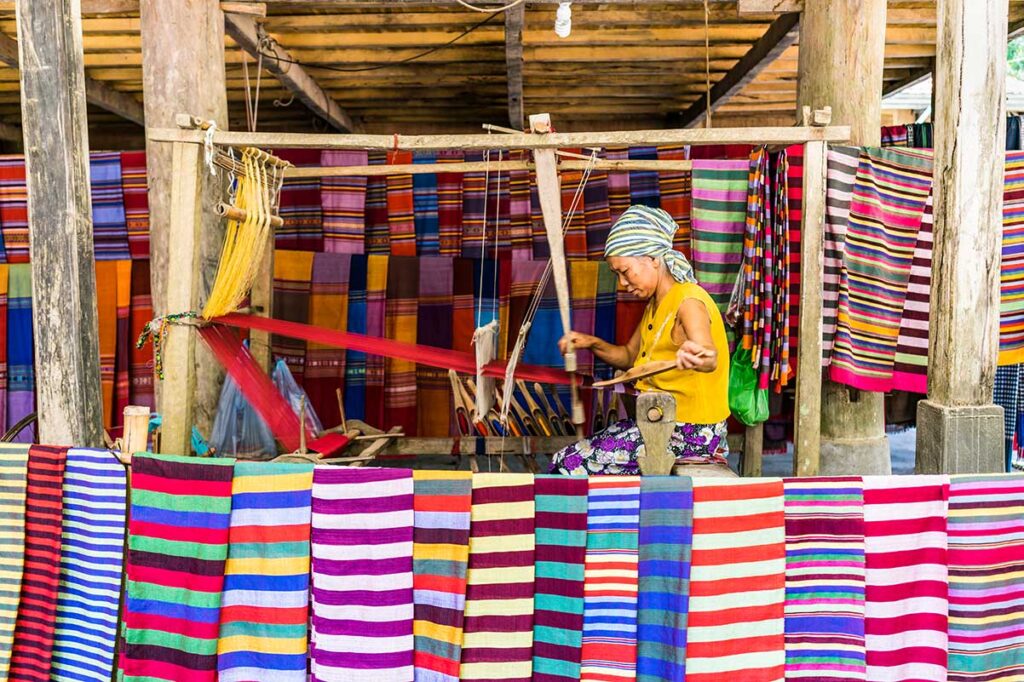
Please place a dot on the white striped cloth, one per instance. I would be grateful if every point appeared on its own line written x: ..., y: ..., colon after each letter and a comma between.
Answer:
x: 91, y: 566
x: 362, y: 575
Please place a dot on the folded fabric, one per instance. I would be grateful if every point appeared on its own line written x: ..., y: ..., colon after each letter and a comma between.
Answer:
x: 719, y: 215
x: 13, y: 476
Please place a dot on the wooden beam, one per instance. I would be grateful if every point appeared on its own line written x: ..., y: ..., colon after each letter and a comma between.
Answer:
x: 782, y: 33
x: 514, y: 19
x: 97, y: 92
x: 65, y: 320
x: 762, y: 7
x: 247, y: 33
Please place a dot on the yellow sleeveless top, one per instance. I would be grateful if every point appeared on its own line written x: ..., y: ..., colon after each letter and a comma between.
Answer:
x: 701, y: 397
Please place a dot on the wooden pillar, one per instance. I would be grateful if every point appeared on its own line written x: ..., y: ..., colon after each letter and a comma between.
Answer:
x: 842, y: 50
x: 959, y: 429
x: 67, y: 357
x: 183, y: 72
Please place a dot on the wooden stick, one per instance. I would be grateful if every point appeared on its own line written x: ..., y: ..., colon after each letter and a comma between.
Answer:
x: 341, y: 409
x: 567, y: 426
x: 539, y: 418
x: 240, y: 215
x: 649, y: 369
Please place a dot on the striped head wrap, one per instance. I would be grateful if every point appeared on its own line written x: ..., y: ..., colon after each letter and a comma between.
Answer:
x: 646, y: 231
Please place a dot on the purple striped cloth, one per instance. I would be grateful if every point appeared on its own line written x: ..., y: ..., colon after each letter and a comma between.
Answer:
x: 618, y: 186
x: 362, y: 575
x: 344, y: 203
x: 109, y: 225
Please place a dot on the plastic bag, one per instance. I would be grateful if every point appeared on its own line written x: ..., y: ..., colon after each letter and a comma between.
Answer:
x: 237, y: 429
x: 747, y: 402
x: 294, y: 394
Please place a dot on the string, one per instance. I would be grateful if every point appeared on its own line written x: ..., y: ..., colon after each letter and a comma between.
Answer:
x: 707, y: 63
x: 497, y: 227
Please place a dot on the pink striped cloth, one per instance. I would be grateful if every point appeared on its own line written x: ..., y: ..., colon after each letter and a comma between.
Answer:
x: 907, y: 594
x: 344, y: 203
x: 910, y: 366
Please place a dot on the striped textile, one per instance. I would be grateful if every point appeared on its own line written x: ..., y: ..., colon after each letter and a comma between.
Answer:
x: 328, y: 309
x: 264, y: 613
x: 604, y: 325
x: 1011, y: 271
x: 433, y: 328
x: 140, y: 370
x: 886, y: 208
x: 596, y: 214
x: 561, y: 533
x: 21, y: 379
x: 498, y: 211
x: 425, y: 206
x: 841, y: 174
x: 674, y: 187
x: 576, y: 230
x: 611, y: 584
x: 376, y: 320
x: 301, y: 207
x: 583, y: 305
x: 541, y: 250
x: 986, y: 553
x: 377, y: 234
x: 464, y: 285
x: 1006, y: 393
x: 824, y: 579
x: 106, y: 309
x: 440, y: 553
x: 520, y: 216
x: 91, y: 566
x: 1013, y: 133
x: 666, y: 537
x: 919, y: 135
x: 109, y: 225
x: 542, y: 343
x: 14, y: 208
x: 906, y: 607
x: 4, y: 271
x: 737, y: 581
x: 177, y: 548
x: 13, y: 480
x: 401, y: 218
x: 449, y: 206
x: 894, y: 136
x: 31, y: 655
x: 498, y: 630
x: 719, y: 215
x: 343, y: 203
x: 135, y: 188
x: 125, y: 342
x: 293, y: 274
x: 910, y: 364
x: 629, y: 310
x: 643, y: 185
x: 355, y: 362
x: 362, y: 541
x: 474, y: 208
x: 401, y: 325
x: 794, y: 200
x: 619, y: 197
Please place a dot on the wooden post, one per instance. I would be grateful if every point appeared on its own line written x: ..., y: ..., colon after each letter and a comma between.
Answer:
x: 842, y: 50
x: 60, y: 223
x: 183, y: 72
x: 753, y: 447
x: 136, y: 430
x: 656, y: 419
x: 959, y: 429
x: 262, y: 300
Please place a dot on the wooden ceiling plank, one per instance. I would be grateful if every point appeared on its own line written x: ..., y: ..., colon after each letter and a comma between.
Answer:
x: 514, y: 20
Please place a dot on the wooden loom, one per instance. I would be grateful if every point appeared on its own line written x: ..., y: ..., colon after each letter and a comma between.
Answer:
x: 185, y: 222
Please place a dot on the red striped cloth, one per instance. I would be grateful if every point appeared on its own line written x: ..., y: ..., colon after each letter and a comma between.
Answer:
x: 37, y: 610
x: 122, y: 361
x: 14, y: 208
x: 401, y: 312
x: 674, y: 187
x: 499, y: 225
x: 596, y: 214
x: 541, y: 251
x: 300, y: 205
x: 463, y: 322
x: 378, y: 232
x: 449, y: 206
x: 136, y: 202
x: 795, y: 196
x: 401, y: 213
x: 293, y: 272
x: 576, y: 232
x: 141, y: 368
x: 520, y: 216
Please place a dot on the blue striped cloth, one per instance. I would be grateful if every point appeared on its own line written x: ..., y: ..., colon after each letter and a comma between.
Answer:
x: 110, y: 226
x: 425, y: 206
x: 355, y: 362
x: 643, y: 185
x: 666, y: 538
x: 91, y: 566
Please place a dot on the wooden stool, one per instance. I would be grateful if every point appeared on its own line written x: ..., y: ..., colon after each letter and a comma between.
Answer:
x: 656, y: 419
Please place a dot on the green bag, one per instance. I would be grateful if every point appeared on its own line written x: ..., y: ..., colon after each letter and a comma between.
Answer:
x: 747, y: 402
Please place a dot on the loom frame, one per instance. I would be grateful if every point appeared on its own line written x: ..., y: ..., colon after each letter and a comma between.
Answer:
x: 183, y: 288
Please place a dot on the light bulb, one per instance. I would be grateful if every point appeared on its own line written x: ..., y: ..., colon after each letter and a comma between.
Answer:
x: 563, y: 20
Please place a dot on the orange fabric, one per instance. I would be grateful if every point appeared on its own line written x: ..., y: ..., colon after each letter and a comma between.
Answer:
x: 106, y: 308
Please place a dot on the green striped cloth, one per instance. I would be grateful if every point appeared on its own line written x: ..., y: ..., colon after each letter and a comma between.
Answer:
x: 719, y: 216
x: 13, y: 477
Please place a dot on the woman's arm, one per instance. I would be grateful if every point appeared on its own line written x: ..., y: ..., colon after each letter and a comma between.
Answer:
x: 698, y: 351
x: 619, y: 357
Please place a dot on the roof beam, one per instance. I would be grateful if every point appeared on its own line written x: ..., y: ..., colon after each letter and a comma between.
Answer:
x: 748, y: 7
x: 245, y: 31
x: 97, y: 92
x: 514, y: 19
x: 782, y: 33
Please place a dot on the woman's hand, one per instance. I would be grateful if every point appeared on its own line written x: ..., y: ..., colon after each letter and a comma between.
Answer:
x: 692, y: 355
x: 577, y: 340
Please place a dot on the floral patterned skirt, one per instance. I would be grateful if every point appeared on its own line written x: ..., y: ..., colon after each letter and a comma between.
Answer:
x: 615, y: 450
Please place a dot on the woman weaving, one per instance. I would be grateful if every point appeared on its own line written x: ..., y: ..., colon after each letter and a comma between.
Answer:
x: 681, y: 323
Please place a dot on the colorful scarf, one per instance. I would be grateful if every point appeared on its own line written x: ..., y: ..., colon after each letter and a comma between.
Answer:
x: 794, y: 201
x: 576, y: 230
x: 109, y: 226
x: 106, y: 309
x: 498, y: 212
x: 140, y: 371
x: 4, y: 272
x: 1006, y: 393
x: 362, y: 537
x: 498, y: 630
x: 343, y: 203
x: 328, y: 309
x: 906, y: 609
x: 177, y: 548
x: 474, y: 208
x: 135, y: 189
x: 449, y: 206
x: 125, y: 342
x: 610, y: 591
x: 674, y: 187
x: 737, y: 581
x: 666, y: 537
x: 440, y: 553
x: 1011, y: 272
x: 605, y: 320
x: 401, y: 218
x: 14, y: 208
x: 300, y: 205
x: 433, y: 328
x: 355, y: 362
x: 841, y: 175
x: 464, y: 283
x: 13, y: 480
x: 894, y: 136
x: 619, y: 197
x: 402, y: 310
x: 886, y: 209
x: 425, y: 207
x: 376, y: 325
x: 378, y: 229
x: 583, y: 287
x: 643, y: 185
x: 293, y: 271
x: 910, y: 364
x: 719, y: 213
x: 520, y: 218
x: 21, y: 387
x: 541, y: 249
x: 986, y: 551
x: 824, y: 579
x: 561, y: 512
x: 91, y: 565
x: 31, y: 655
x: 644, y: 231
x: 264, y: 614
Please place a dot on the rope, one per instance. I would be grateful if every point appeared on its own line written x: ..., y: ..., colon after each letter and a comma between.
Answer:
x: 156, y: 330
x: 485, y: 10
x: 707, y: 63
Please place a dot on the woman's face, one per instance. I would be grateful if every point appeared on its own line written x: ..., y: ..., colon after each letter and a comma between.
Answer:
x: 639, y: 275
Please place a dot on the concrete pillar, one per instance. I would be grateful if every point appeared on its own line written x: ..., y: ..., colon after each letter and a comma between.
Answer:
x: 842, y: 51
x: 959, y: 429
